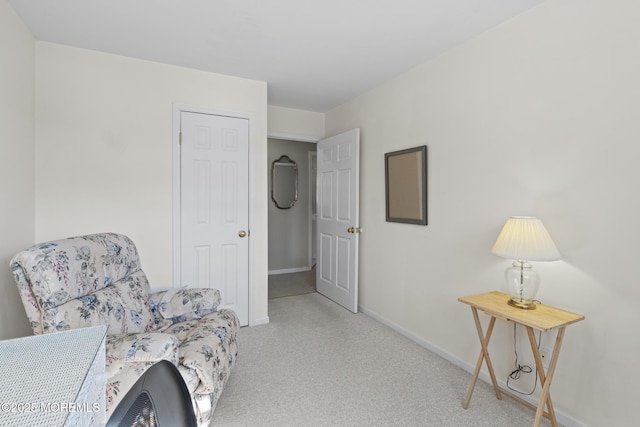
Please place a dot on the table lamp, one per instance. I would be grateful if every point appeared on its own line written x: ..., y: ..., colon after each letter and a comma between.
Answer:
x: 524, y: 238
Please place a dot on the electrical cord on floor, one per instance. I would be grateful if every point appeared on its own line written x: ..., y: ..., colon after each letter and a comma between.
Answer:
x: 522, y: 369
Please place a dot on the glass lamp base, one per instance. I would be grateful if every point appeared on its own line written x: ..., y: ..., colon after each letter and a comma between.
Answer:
x: 526, y: 304
x: 523, y: 283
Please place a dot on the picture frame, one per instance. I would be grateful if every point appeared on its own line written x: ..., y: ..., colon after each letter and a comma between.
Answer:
x: 406, y: 185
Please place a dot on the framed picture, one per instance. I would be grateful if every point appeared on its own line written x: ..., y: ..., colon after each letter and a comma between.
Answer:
x: 406, y: 185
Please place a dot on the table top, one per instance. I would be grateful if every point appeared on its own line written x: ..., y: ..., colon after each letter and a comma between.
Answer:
x: 543, y: 318
x: 42, y: 374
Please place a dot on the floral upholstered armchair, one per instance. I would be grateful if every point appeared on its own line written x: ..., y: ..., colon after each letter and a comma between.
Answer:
x: 97, y: 280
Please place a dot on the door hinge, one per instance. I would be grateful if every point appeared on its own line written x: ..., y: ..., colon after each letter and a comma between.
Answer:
x: 180, y: 138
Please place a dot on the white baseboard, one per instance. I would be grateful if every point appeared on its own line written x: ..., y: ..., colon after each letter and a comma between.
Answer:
x: 563, y: 418
x: 289, y: 270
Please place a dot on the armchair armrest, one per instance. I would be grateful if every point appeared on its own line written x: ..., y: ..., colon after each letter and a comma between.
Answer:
x: 143, y: 347
x: 183, y: 304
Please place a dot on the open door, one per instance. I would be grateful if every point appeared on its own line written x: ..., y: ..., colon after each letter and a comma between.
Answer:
x: 338, y: 220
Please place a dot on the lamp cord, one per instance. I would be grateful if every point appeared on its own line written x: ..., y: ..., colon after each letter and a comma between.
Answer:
x: 522, y: 369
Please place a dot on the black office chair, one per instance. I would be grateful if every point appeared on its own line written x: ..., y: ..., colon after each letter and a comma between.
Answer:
x: 158, y: 399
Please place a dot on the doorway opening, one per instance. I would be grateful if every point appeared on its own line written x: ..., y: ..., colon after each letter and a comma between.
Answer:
x: 292, y: 245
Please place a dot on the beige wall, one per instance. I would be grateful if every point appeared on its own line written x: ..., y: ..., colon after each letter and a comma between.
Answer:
x: 538, y: 116
x: 17, y: 225
x: 104, y: 150
x: 290, y: 123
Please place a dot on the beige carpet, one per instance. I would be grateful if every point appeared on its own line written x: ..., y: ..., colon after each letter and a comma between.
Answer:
x: 316, y: 364
x: 290, y: 284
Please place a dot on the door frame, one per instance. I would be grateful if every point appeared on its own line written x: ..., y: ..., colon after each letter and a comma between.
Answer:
x: 178, y: 109
x: 312, y: 183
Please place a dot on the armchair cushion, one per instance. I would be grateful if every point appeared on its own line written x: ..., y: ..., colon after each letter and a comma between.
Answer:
x: 205, y: 344
x: 145, y: 347
x: 188, y: 303
x: 68, y: 283
x: 123, y: 307
x: 64, y: 270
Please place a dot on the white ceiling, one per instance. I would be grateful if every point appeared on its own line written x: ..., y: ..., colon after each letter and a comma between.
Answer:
x: 314, y: 54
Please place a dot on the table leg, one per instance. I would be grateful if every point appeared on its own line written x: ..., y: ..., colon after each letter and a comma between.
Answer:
x: 484, y: 355
x: 545, y: 380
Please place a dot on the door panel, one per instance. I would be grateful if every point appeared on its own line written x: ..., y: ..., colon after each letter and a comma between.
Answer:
x: 214, y: 207
x: 344, y: 249
x: 338, y: 219
x: 344, y: 195
x: 326, y: 259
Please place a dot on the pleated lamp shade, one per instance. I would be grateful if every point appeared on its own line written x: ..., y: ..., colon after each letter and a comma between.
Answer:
x: 525, y: 238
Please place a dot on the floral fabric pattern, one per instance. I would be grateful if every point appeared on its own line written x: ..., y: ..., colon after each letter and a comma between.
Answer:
x: 97, y: 280
x: 145, y: 347
x: 211, y: 344
x: 54, y: 273
x: 188, y: 303
x: 123, y: 307
x: 121, y: 382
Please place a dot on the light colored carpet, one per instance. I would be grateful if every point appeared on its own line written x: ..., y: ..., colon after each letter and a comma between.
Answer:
x: 286, y: 285
x: 316, y: 364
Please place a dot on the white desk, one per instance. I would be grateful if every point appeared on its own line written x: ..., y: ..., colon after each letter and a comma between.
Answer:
x: 53, y: 380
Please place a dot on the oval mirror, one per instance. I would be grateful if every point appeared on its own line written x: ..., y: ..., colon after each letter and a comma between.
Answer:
x: 284, y: 182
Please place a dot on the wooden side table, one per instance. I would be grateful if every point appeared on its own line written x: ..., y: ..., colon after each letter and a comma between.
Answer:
x: 543, y: 318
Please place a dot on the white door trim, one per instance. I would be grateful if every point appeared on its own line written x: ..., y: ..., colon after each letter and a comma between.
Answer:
x: 250, y: 117
x: 311, y: 155
x: 292, y: 137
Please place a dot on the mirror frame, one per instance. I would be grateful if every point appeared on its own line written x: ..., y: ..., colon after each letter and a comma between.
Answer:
x: 284, y: 160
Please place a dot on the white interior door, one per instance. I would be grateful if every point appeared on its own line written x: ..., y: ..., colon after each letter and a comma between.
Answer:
x: 214, y: 207
x: 338, y: 220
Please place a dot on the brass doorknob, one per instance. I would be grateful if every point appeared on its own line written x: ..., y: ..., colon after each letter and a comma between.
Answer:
x: 354, y: 230
x: 242, y: 233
